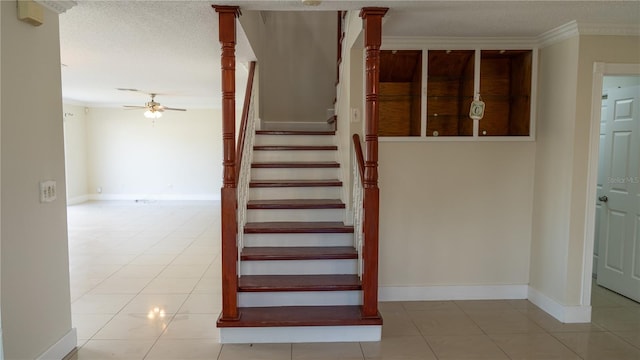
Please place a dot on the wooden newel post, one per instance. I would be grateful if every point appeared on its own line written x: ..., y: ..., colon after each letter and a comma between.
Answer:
x: 372, y: 22
x: 227, y: 30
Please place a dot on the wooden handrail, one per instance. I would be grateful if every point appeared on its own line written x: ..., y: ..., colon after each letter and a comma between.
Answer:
x: 357, y: 147
x: 245, y: 119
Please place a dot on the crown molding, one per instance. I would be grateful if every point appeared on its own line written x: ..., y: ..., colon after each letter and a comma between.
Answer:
x: 57, y: 6
x: 558, y: 34
x: 574, y: 28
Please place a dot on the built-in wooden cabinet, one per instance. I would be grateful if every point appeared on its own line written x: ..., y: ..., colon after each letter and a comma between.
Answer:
x: 428, y: 93
x: 399, y: 92
x: 505, y: 87
x: 450, y: 79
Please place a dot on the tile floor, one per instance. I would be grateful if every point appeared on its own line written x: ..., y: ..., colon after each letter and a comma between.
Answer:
x: 145, y: 285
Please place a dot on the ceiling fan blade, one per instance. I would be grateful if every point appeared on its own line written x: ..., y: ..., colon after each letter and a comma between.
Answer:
x: 133, y: 107
x: 174, y: 109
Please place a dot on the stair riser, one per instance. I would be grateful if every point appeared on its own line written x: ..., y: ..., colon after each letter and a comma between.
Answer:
x: 300, y: 334
x: 298, y: 267
x: 293, y: 155
x: 294, y: 140
x: 276, y: 193
x: 298, y: 239
x: 295, y: 215
x: 294, y: 174
x: 299, y: 298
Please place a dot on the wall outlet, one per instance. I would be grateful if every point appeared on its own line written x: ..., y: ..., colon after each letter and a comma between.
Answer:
x: 47, y: 191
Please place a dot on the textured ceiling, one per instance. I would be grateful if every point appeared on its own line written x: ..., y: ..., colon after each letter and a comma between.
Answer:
x: 171, y: 47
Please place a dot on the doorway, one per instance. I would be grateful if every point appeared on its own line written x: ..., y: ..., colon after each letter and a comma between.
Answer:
x: 614, y: 213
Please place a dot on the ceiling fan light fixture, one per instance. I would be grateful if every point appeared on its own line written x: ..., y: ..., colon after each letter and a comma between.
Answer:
x: 149, y: 114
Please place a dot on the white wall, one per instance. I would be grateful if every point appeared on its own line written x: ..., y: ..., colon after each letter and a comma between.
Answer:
x: 130, y: 157
x: 559, y: 268
x: 555, y: 123
x: 298, y: 56
x: 610, y: 49
x: 36, y: 310
x: 452, y: 214
x: 455, y: 213
x: 75, y: 145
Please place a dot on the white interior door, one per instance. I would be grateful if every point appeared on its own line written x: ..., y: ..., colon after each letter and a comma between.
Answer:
x: 602, y: 178
x: 619, y: 197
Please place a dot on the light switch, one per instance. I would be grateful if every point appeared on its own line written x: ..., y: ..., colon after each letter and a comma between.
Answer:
x: 48, y: 191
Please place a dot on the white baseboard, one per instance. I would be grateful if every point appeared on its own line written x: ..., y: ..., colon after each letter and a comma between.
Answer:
x: 448, y: 292
x: 300, y: 334
x: 563, y: 313
x: 62, y: 348
x: 154, y: 197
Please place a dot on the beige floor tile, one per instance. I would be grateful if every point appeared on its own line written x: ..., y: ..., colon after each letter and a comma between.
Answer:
x: 100, y: 303
x: 398, y: 324
x: 631, y: 337
x: 114, y: 349
x: 599, y: 345
x: 444, y: 323
x: 522, y: 304
x: 154, y: 259
x: 504, y: 322
x: 115, y: 285
x: 208, y: 286
x: 193, y: 326
x: 484, y: 305
x: 201, y: 349
x: 202, y: 304
x: 617, y: 319
x: 134, y: 327
x: 461, y: 347
x: 322, y: 351
x: 183, y: 271
x: 150, y: 303
x: 430, y: 305
x: 139, y: 271
x: 88, y: 325
x: 203, y: 259
x: 533, y: 346
x: 255, y: 352
x: 390, y: 306
x: 170, y: 286
x: 398, y: 348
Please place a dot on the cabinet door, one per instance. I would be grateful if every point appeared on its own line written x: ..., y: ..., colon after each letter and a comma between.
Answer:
x: 505, y: 87
x: 450, y: 82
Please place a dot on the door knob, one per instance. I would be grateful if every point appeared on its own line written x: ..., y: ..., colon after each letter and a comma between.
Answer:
x: 603, y: 198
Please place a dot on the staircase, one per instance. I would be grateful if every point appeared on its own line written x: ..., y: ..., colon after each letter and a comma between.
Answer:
x: 298, y: 273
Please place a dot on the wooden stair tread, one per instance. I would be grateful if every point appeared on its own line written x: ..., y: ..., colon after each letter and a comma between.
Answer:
x: 296, y: 227
x: 295, y: 147
x: 295, y: 183
x: 300, y: 316
x: 295, y: 164
x: 299, y: 253
x: 269, y: 283
x: 296, y: 204
x: 293, y: 132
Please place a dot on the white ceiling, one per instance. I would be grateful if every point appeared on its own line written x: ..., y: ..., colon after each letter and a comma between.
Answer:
x: 171, y: 47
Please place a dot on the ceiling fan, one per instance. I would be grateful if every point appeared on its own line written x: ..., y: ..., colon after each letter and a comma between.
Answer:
x: 154, y: 109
